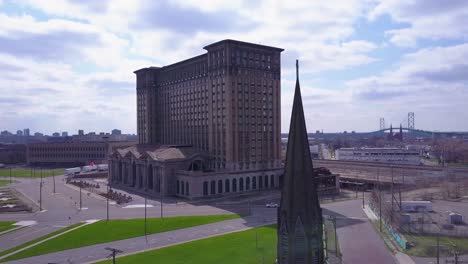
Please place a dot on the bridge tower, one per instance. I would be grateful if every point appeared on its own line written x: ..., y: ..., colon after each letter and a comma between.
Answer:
x: 382, y: 123
x: 411, y: 120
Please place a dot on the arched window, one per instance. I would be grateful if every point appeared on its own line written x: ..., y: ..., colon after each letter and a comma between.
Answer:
x: 177, y: 187
x: 260, y: 182
x: 205, y: 188
x: 241, y: 184
x: 234, y: 185
x: 266, y: 181
x: 187, y: 188
x: 183, y: 187
x: 254, y: 183
x: 247, y: 183
x: 213, y: 188
x: 272, y: 181
x: 220, y: 186
x: 226, y: 186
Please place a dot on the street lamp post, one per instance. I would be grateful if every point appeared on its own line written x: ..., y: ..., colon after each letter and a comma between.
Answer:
x: 146, y: 201
x: 107, y: 203
x: 40, y: 193
x: 80, y: 197
x: 53, y: 179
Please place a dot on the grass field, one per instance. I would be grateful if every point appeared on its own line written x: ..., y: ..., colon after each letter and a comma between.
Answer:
x: 102, y: 232
x: 425, y: 246
x: 3, y: 253
x: 4, y: 182
x: 235, y: 248
x: 4, y: 226
x: 33, y: 173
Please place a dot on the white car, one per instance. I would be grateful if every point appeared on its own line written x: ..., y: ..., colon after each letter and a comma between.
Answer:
x: 271, y: 205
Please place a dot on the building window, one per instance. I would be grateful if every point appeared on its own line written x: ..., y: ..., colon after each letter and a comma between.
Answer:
x: 254, y: 183
x: 234, y: 185
x: 272, y: 181
x: 205, y: 188
x: 247, y: 183
x: 226, y: 186
x: 220, y: 186
x: 260, y: 182
x: 241, y: 184
x: 266, y: 181
x: 183, y: 187
x: 213, y: 188
x: 187, y: 188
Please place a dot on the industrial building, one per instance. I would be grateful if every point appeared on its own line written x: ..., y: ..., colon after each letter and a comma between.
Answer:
x: 72, y: 153
x: 384, y: 155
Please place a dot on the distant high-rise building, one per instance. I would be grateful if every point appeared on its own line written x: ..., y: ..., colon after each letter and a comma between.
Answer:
x: 19, y: 132
x: 116, y: 132
x: 26, y: 132
x: 81, y: 132
x: 64, y: 134
x: 56, y: 134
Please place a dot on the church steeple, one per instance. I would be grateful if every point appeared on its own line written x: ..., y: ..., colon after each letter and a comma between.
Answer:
x: 299, y: 214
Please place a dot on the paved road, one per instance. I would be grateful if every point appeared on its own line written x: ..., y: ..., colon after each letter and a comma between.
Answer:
x: 359, y: 241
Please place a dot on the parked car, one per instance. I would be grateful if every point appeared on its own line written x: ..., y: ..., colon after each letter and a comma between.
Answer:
x: 271, y: 205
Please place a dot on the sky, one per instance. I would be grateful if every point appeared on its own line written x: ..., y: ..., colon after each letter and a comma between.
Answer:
x: 68, y: 64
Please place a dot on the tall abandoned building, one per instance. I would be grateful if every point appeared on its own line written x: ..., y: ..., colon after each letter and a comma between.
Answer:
x: 300, y: 236
x: 207, y: 126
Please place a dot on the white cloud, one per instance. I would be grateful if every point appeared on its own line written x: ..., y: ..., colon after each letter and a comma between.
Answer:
x: 426, y: 19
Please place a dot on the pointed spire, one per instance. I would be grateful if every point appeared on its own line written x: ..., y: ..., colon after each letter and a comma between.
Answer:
x: 299, y: 198
x: 297, y: 70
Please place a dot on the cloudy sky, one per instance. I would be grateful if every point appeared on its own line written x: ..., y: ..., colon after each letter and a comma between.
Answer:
x: 67, y: 64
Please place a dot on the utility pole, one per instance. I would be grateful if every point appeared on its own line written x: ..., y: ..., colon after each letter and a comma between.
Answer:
x: 114, y: 252
x: 336, y: 235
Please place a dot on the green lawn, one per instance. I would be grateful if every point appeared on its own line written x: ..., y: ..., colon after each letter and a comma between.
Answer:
x: 4, y: 226
x: 34, y: 173
x: 235, y: 248
x: 3, y: 253
x: 4, y: 182
x: 102, y: 232
x: 425, y: 246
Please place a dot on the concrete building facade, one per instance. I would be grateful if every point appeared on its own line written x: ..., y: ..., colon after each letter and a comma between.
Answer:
x: 220, y: 111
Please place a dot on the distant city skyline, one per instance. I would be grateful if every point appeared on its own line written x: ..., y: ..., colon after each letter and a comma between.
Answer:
x: 69, y: 65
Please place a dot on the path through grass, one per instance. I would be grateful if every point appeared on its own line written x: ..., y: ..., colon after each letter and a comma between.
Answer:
x: 102, y: 232
x: 253, y: 246
x: 4, y: 226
